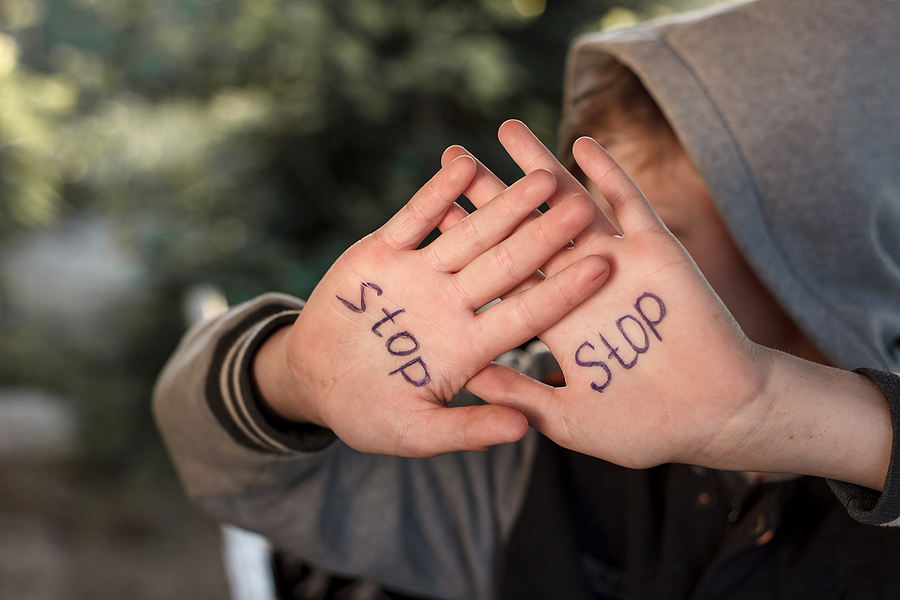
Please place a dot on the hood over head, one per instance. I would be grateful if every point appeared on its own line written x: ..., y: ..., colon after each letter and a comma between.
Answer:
x: 791, y: 113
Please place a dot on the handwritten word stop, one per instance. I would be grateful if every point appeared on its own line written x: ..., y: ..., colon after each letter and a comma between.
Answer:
x: 651, y: 310
x: 400, y: 344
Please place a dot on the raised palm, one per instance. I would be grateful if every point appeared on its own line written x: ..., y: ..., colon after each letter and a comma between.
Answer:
x: 656, y: 368
x: 391, y: 334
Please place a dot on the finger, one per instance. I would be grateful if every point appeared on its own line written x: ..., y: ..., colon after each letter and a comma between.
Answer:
x: 501, y: 385
x: 412, y: 223
x: 527, y: 284
x: 454, y: 215
x: 533, y: 280
x: 484, y: 186
x: 529, y: 153
x: 519, y: 318
x: 631, y: 207
x: 491, y: 223
x: 433, y: 431
x: 506, y: 265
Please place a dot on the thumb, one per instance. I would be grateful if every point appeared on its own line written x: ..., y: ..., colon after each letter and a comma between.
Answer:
x: 501, y: 385
x: 459, y: 429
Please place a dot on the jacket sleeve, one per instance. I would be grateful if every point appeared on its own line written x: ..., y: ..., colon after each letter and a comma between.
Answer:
x: 432, y: 527
x: 866, y: 505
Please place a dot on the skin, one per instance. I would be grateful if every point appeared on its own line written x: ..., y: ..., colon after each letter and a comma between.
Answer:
x: 337, y: 366
x: 706, y: 392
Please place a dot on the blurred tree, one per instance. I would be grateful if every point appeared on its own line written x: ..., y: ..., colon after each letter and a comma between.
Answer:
x: 30, y: 173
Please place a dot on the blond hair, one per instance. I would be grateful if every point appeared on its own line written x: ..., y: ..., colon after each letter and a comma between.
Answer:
x: 610, y: 104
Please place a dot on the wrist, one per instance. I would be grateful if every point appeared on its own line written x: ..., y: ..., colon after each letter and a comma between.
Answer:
x: 811, y: 419
x: 753, y: 387
x: 280, y: 396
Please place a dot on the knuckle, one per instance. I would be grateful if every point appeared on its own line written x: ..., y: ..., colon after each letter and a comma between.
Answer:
x: 506, y: 261
x: 403, y: 444
x: 561, y: 290
x: 467, y: 439
x: 528, y: 317
x: 474, y: 235
x: 461, y: 292
x: 416, y: 210
x: 434, y: 259
x: 480, y: 338
x: 541, y: 237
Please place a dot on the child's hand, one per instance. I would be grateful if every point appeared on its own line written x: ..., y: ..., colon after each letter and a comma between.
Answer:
x: 390, y: 334
x: 656, y: 369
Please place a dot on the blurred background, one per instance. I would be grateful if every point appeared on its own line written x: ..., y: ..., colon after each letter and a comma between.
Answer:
x: 159, y: 155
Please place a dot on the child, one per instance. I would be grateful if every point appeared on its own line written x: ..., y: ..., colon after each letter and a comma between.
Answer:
x: 776, y: 170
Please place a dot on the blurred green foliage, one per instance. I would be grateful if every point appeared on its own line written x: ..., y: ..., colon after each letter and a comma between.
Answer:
x: 244, y: 143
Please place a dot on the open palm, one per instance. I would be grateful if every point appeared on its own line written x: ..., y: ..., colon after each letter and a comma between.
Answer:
x: 656, y: 368
x: 391, y: 334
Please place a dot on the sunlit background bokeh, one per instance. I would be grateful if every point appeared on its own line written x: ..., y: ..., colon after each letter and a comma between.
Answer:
x: 159, y: 158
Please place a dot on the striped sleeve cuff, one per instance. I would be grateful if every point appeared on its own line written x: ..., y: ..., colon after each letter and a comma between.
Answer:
x: 231, y: 395
x: 870, y: 506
